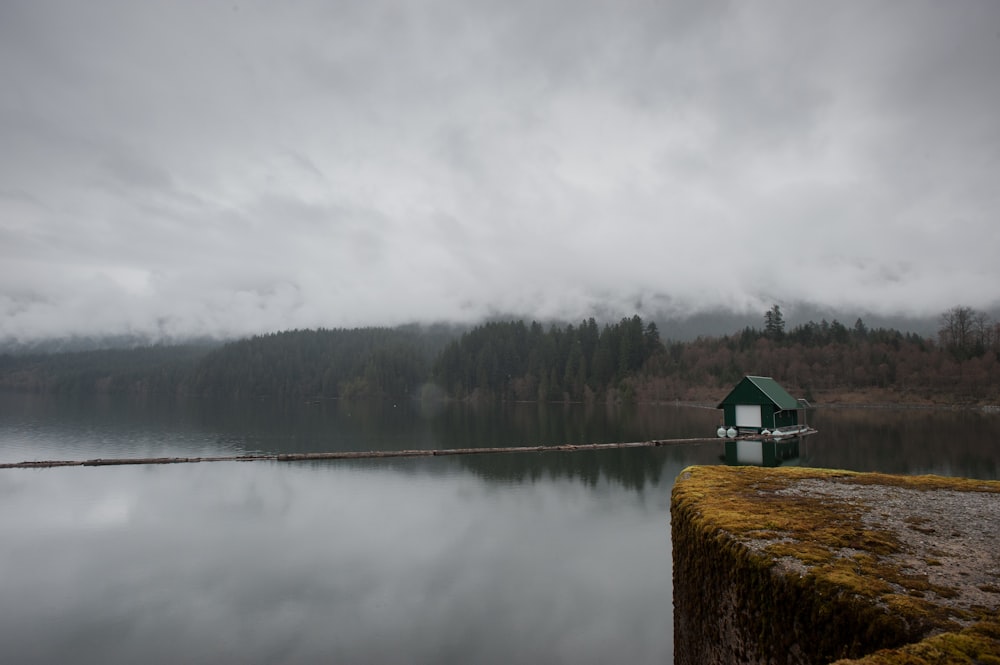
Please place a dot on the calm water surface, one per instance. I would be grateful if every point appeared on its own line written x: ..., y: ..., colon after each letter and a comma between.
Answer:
x: 498, y: 558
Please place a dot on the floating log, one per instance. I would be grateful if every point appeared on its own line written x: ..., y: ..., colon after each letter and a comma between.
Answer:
x: 351, y: 454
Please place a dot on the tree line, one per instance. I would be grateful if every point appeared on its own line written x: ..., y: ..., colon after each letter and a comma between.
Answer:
x: 519, y: 361
x: 515, y: 361
x: 827, y: 358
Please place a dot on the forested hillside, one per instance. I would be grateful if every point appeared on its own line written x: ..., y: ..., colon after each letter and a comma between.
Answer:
x: 827, y: 360
x: 363, y: 362
x: 147, y: 369
x: 628, y: 361
x: 310, y: 364
x: 514, y: 360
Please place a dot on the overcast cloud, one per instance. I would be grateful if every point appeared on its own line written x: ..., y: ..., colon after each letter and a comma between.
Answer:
x: 191, y: 166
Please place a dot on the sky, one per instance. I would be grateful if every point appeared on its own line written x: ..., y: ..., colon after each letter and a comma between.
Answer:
x: 193, y: 167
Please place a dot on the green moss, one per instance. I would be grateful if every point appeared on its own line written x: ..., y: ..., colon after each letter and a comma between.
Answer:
x: 808, y: 553
x: 799, y: 570
x: 744, y: 503
x: 979, y: 644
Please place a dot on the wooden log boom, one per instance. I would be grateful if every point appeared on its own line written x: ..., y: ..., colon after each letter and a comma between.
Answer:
x: 351, y: 454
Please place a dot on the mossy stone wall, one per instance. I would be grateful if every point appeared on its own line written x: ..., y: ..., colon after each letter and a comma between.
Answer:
x: 738, y: 599
x: 730, y: 606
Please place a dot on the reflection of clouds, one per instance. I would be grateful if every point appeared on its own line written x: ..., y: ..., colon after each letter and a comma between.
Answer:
x: 109, y: 510
x: 98, y: 506
x: 336, y: 562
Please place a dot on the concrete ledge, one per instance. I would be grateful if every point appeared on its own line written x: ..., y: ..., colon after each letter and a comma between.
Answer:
x: 795, y: 565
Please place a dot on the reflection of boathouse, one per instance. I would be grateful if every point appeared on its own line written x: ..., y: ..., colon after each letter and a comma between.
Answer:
x: 762, y: 423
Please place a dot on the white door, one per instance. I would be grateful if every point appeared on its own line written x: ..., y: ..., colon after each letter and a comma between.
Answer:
x: 748, y: 415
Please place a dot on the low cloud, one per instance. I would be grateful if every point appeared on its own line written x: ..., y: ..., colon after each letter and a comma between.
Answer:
x: 226, y: 169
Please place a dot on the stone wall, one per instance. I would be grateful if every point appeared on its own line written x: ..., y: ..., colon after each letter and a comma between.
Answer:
x: 810, y: 566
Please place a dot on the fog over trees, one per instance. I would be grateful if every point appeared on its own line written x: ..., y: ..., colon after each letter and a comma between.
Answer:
x: 514, y: 360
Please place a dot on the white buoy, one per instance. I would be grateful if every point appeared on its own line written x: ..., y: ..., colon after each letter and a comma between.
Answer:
x: 721, y: 432
x: 765, y: 432
x: 731, y: 433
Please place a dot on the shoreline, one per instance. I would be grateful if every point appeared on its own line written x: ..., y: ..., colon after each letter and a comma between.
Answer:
x: 888, y: 406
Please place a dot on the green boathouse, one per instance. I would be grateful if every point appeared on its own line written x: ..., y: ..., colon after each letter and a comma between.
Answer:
x: 758, y: 403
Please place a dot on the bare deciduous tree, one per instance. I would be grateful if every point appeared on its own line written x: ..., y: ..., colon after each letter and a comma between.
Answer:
x: 965, y: 332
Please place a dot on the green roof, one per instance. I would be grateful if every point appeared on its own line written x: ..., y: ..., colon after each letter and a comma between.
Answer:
x: 770, y: 389
x: 774, y: 392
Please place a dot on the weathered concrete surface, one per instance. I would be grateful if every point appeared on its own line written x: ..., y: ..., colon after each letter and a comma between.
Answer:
x: 810, y: 566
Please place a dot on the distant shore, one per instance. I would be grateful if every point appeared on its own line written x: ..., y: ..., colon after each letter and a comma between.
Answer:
x: 879, y: 399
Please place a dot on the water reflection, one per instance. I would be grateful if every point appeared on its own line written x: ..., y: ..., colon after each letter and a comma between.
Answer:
x: 911, y: 441
x: 903, y: 441
x: 906, y: 441
x: 537, y: 558
x: 768, y: 453
x: 34, y: 427
x: 45, y: 427
x: 261, y: 563
x: 547, y: 557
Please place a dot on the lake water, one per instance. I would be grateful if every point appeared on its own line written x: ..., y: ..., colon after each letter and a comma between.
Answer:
x: 555, y: 557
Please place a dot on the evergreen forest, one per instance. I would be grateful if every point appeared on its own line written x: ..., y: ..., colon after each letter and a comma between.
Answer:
x: 526, y: 361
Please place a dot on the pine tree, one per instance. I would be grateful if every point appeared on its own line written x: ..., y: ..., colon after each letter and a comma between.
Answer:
x: 774, y: 323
